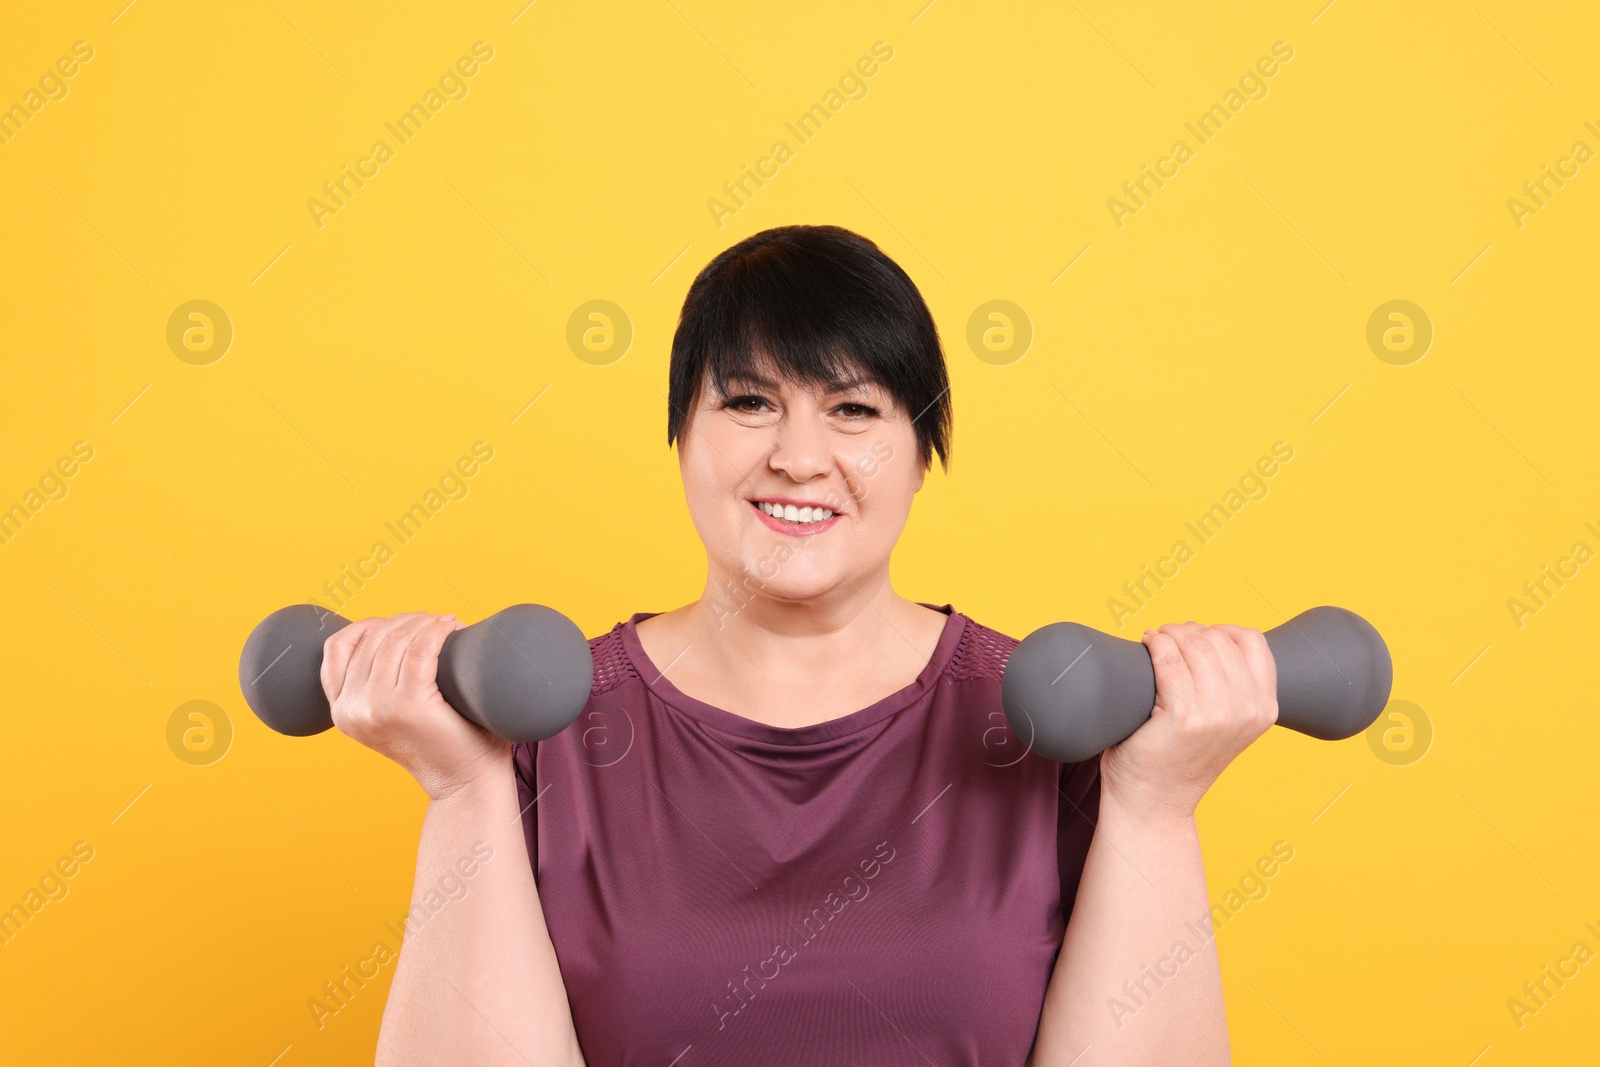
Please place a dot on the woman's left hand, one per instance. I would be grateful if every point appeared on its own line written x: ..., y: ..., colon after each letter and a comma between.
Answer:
x: 1216, y: 692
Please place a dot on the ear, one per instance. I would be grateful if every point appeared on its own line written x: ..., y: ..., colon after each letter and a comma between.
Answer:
x: 922, y: 476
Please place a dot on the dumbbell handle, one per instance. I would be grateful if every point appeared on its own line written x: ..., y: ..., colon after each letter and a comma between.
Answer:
x: 523, y: 673
x: 1070, y: 691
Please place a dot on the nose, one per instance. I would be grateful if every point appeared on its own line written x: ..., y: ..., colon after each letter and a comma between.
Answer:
x: 801, y: 448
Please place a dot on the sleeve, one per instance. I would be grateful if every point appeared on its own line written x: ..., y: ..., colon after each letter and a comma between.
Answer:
x: 1079, y: 785
x: 524, y: 763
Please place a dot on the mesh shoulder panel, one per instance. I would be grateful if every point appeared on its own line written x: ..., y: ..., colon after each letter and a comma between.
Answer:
x: 611, y: 664
x: 981, y: 653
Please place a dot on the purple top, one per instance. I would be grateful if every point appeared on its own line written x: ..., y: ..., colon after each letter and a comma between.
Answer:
x: 889, y: 887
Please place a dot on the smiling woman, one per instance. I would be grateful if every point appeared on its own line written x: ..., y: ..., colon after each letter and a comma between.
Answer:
x: 798, y: 829
x: 698, y: 893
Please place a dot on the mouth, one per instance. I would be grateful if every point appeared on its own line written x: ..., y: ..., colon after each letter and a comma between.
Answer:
x: 794, y: 517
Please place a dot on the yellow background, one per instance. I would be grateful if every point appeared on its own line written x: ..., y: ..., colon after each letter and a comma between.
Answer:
x: 1228, y: 313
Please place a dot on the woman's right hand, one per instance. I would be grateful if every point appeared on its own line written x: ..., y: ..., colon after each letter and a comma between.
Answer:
x: 1216, y: 692
x: 380, y: 677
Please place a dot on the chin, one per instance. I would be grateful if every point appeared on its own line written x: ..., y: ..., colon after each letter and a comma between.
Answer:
x: 786, y: 584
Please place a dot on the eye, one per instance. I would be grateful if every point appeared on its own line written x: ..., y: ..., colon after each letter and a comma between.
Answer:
x: 857, y: 411
x: 743, y: 403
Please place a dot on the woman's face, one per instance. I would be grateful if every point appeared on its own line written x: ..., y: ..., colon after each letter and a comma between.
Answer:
x: 839, y: 468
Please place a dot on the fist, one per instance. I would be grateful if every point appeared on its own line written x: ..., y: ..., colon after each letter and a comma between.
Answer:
x: 1216, y: 692
x: 380, y: 678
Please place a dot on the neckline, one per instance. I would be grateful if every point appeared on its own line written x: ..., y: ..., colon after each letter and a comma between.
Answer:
x: 794, y: 736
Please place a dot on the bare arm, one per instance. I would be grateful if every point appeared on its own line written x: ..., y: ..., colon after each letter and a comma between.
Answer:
x: 1138, y: 980
x: 1133, y: 983
x: 477, y: 981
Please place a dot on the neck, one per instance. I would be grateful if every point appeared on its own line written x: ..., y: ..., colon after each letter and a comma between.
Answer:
x: 791, y: 662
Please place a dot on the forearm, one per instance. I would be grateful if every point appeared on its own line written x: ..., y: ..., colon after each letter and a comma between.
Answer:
x: 479, y: 983
x: 1137, y: 981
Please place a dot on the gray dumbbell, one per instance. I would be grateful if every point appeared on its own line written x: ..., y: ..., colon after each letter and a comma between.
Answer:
x: 524, y: 673
x: 1070, y: 691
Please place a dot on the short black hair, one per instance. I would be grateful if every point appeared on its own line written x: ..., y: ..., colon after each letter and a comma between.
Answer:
x: 824, y: 305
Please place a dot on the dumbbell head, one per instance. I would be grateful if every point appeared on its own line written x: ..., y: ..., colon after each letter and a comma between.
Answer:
x: 523, y: 673
x: 280, y: 670
x: 1334, y: 672
x: 1070, y: 691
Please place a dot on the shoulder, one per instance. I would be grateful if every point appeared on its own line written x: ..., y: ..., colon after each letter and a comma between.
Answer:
x: 612, y: 670
x: 981, y: 652
x: 612, y: 667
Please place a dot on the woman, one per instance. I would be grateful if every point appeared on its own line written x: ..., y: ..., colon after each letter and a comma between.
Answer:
x: 791, y: 825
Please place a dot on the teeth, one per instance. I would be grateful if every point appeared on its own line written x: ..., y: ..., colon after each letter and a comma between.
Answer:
x: 790, y: 513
